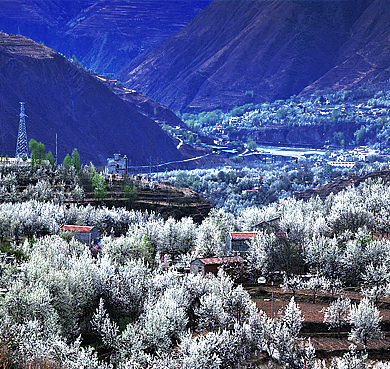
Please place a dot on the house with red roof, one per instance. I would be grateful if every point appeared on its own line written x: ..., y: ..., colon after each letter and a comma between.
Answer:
x: 237, y: 243
x: 84, y: 234
x: 211, y: 265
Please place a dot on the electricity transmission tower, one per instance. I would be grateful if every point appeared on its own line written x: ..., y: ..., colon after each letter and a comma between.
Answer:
x: 21, y: 144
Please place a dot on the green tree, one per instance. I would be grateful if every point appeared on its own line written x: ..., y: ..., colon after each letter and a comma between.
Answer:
x: 130, y: 193
x: 281, y: 113
x: 237, y: 111
x: 338, y: 138
x: 75, y: 160
x: 335, y: 115
x: 50, y: 158
x: 37, y: 152
x: 99, y: 186
x: 67, y: 163
x: 327, y: 170
x: 251, y: 144
x: 360, y: 135
x: 147, y: 249
x: 347, y: 95
x: 181, y: 179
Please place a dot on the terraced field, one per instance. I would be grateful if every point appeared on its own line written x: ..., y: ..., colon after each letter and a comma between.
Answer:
x: 326, y: 342
x: 151, y: 196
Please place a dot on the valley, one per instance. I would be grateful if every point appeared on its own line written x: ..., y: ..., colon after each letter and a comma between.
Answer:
x: 203, y: 184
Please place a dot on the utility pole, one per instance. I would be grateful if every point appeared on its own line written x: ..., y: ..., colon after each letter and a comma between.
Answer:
x: 272, y: 300
x: 21, y: 143
x: 56, y: 150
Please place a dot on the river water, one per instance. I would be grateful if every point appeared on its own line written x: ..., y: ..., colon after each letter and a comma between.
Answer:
x: 294, y: 152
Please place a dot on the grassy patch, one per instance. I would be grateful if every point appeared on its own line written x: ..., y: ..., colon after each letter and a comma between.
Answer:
x: 6, y: 247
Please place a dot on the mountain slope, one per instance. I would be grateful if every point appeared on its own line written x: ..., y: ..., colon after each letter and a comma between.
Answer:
x: 103, y: 35
x: 64, y: 99
x: 235, y: 52
x: 365, y: 57
x: 143, y: 104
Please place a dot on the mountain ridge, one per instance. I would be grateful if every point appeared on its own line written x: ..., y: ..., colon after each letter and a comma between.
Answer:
x: 235, y: 53
x: 103, y: 35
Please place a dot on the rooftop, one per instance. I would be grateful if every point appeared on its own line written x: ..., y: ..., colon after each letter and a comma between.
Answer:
x: 222, y: 260
x: 242, y: 235
x: 76, y: 228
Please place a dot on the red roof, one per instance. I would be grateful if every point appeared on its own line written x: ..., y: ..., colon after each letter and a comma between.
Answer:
x: 281, y: 234
x: 222, y: 260
x: 76, y: 228
x: 242, y: 235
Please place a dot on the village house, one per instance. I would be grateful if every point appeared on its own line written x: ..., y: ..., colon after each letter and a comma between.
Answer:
x: 341, y: 164
x: 237, y: 243
x: 211, y: 265
x: 117, y: 165
x: 84, y: 234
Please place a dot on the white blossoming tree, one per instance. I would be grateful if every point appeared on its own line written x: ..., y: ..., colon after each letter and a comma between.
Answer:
x: 336, y: 314
x: 365, y: 321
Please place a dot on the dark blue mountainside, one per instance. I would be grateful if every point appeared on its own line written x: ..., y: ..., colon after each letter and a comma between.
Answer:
x: 104, y: 35
x: 62, y: 98
x: 238, y: 52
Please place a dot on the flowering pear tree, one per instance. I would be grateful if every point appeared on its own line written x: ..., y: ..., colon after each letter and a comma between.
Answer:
x: 336, y: 314
x: 317, y: 283
x: 365, y: 321
x: 292, y: 283
x: 375, y: 280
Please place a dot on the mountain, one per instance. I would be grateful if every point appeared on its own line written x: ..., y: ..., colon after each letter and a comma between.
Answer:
x: 104, y: 35
x: 143, y: 104
x: 237, y: 52
x: 62, y: 98
x: 365, y: 57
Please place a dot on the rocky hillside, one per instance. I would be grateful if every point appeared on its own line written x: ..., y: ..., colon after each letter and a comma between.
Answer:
x: 103, y: 35
x: 61, y: 98
x: 142, y: 103
x: 236, y: 52
x: 341, y: 184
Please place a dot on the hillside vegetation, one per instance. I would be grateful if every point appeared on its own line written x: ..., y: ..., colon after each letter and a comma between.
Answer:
x: 355, y: 117
x: 66, y: 186
x: 63, y: 304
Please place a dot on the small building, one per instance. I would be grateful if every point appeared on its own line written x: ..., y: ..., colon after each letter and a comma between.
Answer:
x: 342, y: 164
x: 237, y: 243
x: 84, y: 234
x: 281, y: 234
x: 117, y: 165
x: 211, y: 265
